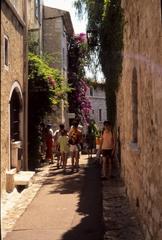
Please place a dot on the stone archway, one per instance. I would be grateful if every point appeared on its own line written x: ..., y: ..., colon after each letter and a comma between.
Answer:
x: 16, y: 127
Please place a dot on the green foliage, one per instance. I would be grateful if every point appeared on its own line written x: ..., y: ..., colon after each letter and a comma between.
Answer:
x: 45, y: 89
x: 105, y: 19
x: 111, y: 41
x: 33, y: 42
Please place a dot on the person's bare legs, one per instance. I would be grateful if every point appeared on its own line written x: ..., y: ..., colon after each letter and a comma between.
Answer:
x: 106, y: 167
x: 109, y: 167
x: 58, y: 155
x: 64, y: 160
x: 72, y: 160
x: 103, y: 172
x: 77, y: 156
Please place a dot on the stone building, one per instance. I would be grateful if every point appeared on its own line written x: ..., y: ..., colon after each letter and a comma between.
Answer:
x: 35, y: 14
x: 97, y: 98
x: 57, y: 28
x: 139, y: 112
x: 13, y: 90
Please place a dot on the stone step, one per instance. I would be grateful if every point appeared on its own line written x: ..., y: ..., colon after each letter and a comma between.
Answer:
x: 23, y: 177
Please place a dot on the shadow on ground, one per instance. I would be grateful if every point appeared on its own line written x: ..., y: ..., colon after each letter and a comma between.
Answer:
x: 88, y: 185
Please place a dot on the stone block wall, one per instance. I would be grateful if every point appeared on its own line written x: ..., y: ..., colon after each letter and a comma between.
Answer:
x: 18, y: 6
x: 55, y: 32
x: 142, y: 159
x: 33, y: 22
x: 34, y: 15
x: 52, y: 45
x: 10, y: 27
x: 52, y: 35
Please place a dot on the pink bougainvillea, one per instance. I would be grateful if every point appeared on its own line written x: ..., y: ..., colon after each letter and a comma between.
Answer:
x: 81, y: 38
x: 78, y: 101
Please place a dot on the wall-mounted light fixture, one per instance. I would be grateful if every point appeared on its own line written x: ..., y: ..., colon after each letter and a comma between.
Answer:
x: 92, y: 37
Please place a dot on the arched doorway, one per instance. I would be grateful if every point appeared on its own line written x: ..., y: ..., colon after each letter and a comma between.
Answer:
x: 15, y: 108
x: 16, y: 128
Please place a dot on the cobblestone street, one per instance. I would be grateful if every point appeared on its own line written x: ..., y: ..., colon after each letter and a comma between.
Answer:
x: 119, y: 218
x: 120, y: 222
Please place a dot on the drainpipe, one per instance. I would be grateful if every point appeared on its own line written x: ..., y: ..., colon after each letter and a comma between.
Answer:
x: 62, y: 112
x: 25, y: 58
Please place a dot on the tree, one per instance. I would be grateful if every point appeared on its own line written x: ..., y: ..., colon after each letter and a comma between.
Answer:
x: 105, y: 21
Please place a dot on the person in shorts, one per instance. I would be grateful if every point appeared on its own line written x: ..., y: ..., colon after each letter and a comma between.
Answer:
x: 63, y: 142
x: 107, y: 147
x: 49, y: 144
x: 75, y: 137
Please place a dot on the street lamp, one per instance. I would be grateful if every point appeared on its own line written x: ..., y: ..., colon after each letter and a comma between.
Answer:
x: 92, y: 38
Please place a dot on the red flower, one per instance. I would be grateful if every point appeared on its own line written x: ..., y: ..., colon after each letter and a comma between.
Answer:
x: 51, y: 81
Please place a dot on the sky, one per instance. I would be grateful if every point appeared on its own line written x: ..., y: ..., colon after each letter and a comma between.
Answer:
x: 78, y: 24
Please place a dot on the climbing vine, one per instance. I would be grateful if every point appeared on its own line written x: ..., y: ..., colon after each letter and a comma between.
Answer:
x: 45, y: 90
x: 105, y: 20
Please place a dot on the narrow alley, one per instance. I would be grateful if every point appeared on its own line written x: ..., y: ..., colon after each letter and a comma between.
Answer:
x: 81, y: 77
x: 75, y: 206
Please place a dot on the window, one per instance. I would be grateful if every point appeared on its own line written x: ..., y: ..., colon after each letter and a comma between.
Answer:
x: 100, y: 115
x: 91, y: 91
x: 134, y: 106
x: 6, y: 50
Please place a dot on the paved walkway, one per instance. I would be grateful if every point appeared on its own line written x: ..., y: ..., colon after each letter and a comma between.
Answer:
x: 69, y: 207
x: 66, y: 207
x: 14, y: 204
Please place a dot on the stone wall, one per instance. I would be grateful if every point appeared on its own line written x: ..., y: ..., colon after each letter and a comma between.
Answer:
x: 18, y: 6
x: 142, y: 159
x: 35, y: 23
x: 52, y: 45
x: 55, y: 44
x: 13, y: 29
x: 52, y: 35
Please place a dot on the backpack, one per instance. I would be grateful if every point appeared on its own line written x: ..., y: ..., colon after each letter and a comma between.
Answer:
x: 74, y: 137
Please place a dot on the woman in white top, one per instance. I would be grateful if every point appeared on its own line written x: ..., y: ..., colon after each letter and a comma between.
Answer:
x: 63, y: 142
x: 107, y: 148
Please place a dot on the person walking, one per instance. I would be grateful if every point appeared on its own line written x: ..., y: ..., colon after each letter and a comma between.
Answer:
x: 107, y: 147
x: 63, y: 142
x: 49, y: 144
x: 57, y: 134
x: 98, y: 143
x: 43, y: 133
x: 92, y: 132
x: 75, y: 138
